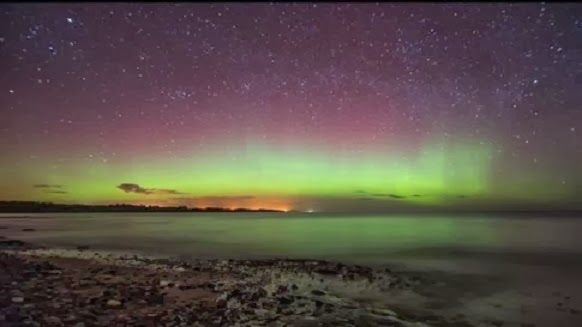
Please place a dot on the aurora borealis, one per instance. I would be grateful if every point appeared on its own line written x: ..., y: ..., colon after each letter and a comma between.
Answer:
x: 329, y: 107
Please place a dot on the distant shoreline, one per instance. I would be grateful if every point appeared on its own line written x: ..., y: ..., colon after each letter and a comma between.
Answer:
x: 49, y: 207
x: 25, y: 207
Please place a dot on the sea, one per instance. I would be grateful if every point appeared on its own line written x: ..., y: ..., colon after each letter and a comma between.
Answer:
x: 472, y: 243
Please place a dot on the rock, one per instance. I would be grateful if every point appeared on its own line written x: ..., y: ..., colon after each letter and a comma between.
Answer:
x: 574, y: 311
x: 324, y: 271
x: 318, y: 292
x: 221, y: 303
x: 235, y: 293
x: 12, y: 244
x: 108, y: 293
x: 156, y: 299
x: 114, y: 304
x: 79, y: 324
x: 70, y: 318
x: 282, y: 289
x: 260, y: 293
x: 18, y: 299
x: 384, y: 312
x: 286, y: 300
x: 52, y: 320
x: 28, y: 229
x: 83, y: 247
x: 164, y: 283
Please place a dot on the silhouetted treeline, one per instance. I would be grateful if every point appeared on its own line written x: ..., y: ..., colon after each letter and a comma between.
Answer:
x: 33, y: 206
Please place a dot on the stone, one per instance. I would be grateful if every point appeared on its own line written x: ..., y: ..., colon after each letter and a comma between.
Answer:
x: 156, y: 299
x: 384, y: 312
x: 18, y: 299
x: 282, y: 289
x: 112, y: 303
x: 318, y: 292
x: 12, y: 243
x: 286, y: 300
x: 260, y: 293
x: 52, y: 320
x: 235, y: 293
x: 70, y: 318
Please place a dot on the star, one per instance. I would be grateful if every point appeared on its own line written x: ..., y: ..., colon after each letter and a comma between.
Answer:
x: 488, y: 91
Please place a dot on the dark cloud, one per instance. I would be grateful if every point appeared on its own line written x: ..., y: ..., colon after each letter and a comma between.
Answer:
x: 394, y: 196
x: 46, y: 186
x: 166, y: 191
x: 382, y: 195
x: 217, y: 198
x: 135, y: 188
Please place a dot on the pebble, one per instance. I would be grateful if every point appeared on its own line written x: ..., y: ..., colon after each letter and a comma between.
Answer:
x: 317, y: 292
x: 264, y: 293
x: 52, y: 320
x: 114, y: 303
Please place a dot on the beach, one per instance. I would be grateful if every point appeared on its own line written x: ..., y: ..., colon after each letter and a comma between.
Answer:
x: 85, y: 281
x: 79, y: 287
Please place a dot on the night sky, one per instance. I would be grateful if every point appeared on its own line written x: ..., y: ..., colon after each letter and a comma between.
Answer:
x: 339, y: 107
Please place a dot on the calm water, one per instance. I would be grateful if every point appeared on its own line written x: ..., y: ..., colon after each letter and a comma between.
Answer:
x: 422, y: 240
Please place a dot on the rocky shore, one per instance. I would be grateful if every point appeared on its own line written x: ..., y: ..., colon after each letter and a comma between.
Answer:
x: 80, y: 287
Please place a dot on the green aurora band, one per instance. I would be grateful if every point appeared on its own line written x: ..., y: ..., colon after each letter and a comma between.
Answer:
x: 438, y: 174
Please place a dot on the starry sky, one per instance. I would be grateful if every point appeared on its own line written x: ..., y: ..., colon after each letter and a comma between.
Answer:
x: 327, y: 107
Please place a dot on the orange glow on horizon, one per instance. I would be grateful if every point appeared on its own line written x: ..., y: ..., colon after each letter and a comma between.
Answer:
x: 226, y: 203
